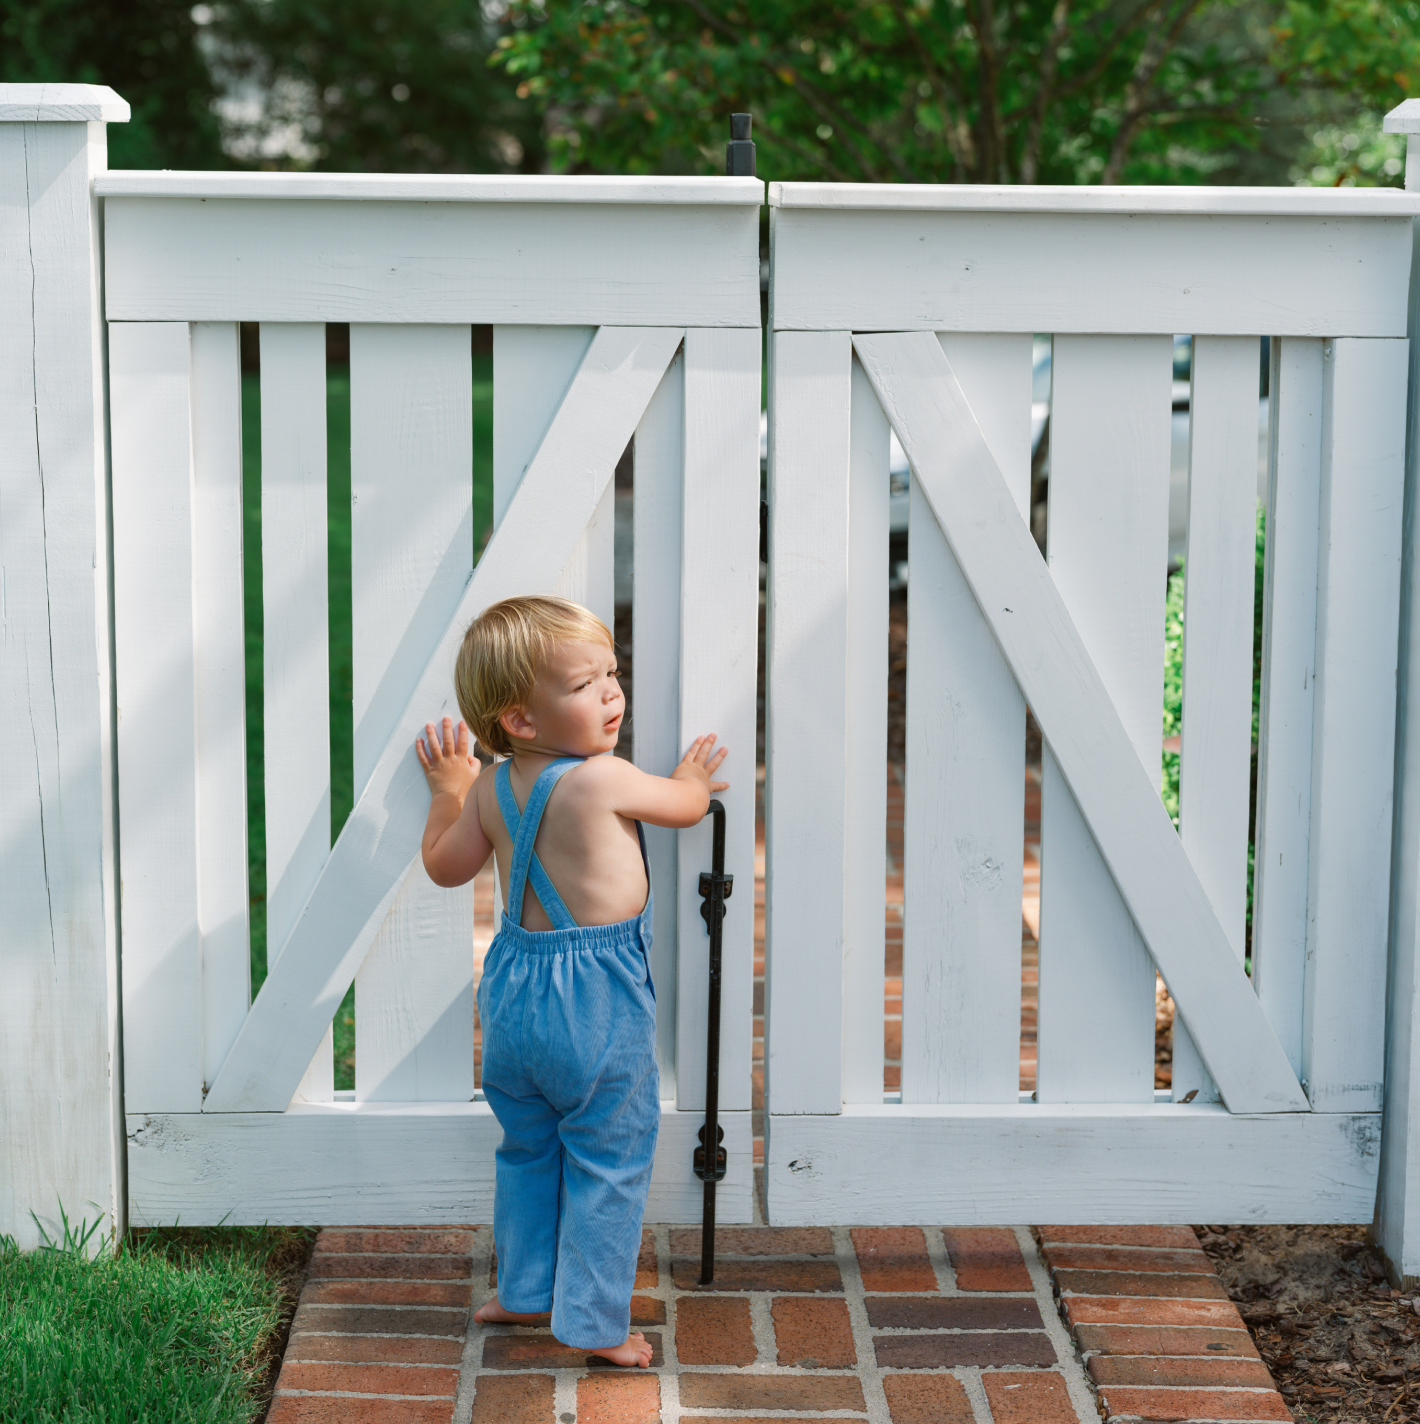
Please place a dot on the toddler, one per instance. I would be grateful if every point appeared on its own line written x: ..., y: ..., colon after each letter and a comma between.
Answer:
x: 566, y: 1001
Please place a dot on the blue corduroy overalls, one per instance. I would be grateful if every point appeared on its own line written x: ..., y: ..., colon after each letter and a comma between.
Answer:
x: 569, y: 1069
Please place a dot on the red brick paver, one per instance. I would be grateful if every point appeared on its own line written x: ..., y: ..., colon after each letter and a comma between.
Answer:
x: 378, y: 1334
x: 1156, y: 1345
x: 813, y: 1322
x: 987, y: 1258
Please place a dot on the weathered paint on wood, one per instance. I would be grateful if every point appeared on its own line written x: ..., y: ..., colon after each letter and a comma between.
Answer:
x: 1353, y: 740
x: 1214, y: 769
x: 59, y: 1034
x: 806, y: 722
x: 1397, y: 1222
x: 656, y: 534
x: 411, y: 553
x: 719, y: 640
x: 1088, y: 735
x: 1087, y: 272
x: 966, y: 733
x: 219, y: 686
x: 1108, y: 552
x: 556, y: 497
x: 985, y: 1164
x: 154, y: 648
x: 295, y: 640
x: 297, y: 260
x: 865, y: 732
x: 1284, y: 760
x: 539, y: 188
x: 400, y: 1163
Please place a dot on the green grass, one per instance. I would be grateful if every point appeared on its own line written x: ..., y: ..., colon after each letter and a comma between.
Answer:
x: 341, y: 655
x: 178, y: 1327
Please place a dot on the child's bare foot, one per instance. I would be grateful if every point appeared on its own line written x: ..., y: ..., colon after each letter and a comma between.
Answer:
x: 492, y: 1313
x: 634, y: 1352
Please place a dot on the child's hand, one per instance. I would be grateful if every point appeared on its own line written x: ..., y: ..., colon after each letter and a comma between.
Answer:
x: 698, y: 764
x: 449, y: 763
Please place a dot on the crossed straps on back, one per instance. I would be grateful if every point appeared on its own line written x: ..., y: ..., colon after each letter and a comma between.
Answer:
x: 522, y: 827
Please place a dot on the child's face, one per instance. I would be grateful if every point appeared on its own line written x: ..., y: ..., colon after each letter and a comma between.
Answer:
x: 576, y: 705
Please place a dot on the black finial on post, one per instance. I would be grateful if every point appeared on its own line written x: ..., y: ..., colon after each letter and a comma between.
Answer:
x: 739, y: 152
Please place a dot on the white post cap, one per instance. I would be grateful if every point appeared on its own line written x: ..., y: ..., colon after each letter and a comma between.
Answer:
x: 1404, y: 118
x: 61, y: 104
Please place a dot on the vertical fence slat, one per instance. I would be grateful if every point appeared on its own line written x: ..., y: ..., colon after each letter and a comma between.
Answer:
x: 219, y: 691
x: 295, y: 638
x: 532, y: 368
x: 157, y: 749
x: 656, y: 628
x: 1108, y: 548
x: 1353, y: 739
x: 806, y: 729
x: 411, y: 553
x: 1217, y: 642
x: 1284, y: 771
x: 865, y: 795
x: 961, y: 987
x: 719, y: 633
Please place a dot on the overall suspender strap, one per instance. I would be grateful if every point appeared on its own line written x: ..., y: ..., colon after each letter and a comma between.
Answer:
x: 522, y: 827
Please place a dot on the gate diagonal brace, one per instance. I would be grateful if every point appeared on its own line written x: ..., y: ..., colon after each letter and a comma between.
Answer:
x: 527, y: 554
x: 970, y: 499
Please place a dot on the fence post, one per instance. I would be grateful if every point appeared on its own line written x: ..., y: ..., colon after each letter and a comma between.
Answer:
x: 1397, y: 1220
x: 61, y: 1120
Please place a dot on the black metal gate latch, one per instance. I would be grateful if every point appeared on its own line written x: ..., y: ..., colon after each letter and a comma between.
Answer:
x: 714, y: 908
x: 722, y: 1161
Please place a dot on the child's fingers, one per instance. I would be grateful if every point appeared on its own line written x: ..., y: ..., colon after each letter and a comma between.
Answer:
x: 448, y: 736
x: 717, y: 759
x: 421, y: 753
x: 704, y: 746
x: 719, y: 786
x: 436, y: 752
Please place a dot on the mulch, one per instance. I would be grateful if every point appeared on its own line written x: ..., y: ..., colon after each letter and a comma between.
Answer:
x: 1342, y: 1346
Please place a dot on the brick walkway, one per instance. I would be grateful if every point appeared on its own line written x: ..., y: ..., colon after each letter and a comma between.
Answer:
x: 898, y: 1325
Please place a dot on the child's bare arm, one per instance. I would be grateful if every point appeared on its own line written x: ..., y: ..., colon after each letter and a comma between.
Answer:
x: 454, y: 848
x: 677, y: 800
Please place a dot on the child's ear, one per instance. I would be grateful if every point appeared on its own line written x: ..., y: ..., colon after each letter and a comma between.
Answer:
x: 516, y: 724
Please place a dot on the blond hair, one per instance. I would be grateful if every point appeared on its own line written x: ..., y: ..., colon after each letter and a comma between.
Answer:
x: 504, y: 650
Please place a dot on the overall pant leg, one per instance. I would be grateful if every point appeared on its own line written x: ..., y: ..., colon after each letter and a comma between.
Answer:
x: 600, y: 1074
x: 527, y: 1198
x: 527, y: 1194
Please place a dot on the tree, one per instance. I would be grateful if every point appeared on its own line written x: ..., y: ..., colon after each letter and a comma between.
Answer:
x: 983, y: 91
x: 146, y: 50
x: 369, y: 85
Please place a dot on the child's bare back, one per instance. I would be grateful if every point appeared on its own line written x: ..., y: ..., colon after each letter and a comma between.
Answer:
x: 537, y: 680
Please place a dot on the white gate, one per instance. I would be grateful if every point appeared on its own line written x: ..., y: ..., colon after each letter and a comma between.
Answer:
x: 914, y: 308
x: 621, y: 309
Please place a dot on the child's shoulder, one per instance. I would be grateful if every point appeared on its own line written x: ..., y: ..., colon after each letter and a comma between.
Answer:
x: 599, y: 782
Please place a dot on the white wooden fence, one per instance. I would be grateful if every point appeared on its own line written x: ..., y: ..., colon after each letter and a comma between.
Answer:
x: 1296, y: 1057
x: 629, y: 309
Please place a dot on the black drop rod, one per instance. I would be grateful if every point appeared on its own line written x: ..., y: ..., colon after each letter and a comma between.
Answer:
x: 715, y: 914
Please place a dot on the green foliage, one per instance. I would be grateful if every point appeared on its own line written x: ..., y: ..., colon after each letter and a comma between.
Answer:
x: 926, y: 91
x: 1173, y: 689
x: 178, y: 1326
x: 400, y: 86
x: 144, y: 49
x: 1356, y: 154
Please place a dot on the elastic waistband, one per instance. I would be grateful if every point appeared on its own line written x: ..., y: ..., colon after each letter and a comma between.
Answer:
x: 579, y: 937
